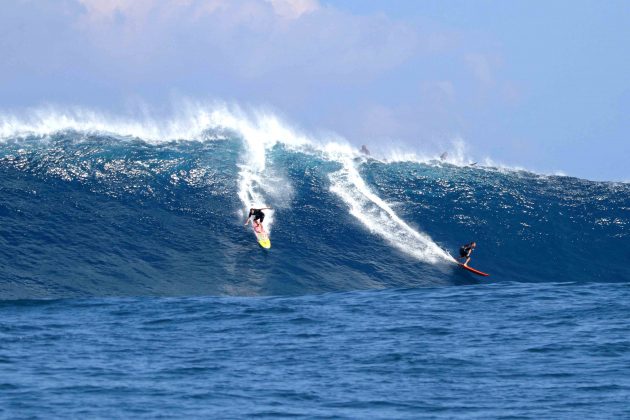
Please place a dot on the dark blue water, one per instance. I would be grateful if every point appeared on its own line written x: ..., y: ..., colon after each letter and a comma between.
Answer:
x: 131, y: 288
x: 506, y: 350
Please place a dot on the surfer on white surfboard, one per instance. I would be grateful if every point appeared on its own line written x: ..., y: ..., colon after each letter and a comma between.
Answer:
x: 258, y: 214
x: 466, y: 250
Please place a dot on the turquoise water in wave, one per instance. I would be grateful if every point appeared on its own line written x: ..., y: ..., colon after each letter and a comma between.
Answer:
x: 131, y: 288
x: 507, y: 350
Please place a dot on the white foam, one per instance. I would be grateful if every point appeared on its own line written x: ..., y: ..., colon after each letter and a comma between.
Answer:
x: 455, y: 154
x: 46, y: 121
x: 458, y: 156
x: 260, y: 131
x: 380, y: 219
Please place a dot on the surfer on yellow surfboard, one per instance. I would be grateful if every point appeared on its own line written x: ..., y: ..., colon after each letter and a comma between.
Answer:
x: 261, y: 236
x: 258, y: 214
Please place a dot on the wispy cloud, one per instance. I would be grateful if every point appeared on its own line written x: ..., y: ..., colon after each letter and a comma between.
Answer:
x: 255, y: 37
x: 293, y: 9
x: 138, y: 10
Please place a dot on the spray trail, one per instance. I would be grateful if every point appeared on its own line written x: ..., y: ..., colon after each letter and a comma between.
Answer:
x: 380, y: 218
x: 251, y: 192
x: 259, y: 133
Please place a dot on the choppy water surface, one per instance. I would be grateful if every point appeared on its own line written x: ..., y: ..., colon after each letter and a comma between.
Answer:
x: 499, y: 351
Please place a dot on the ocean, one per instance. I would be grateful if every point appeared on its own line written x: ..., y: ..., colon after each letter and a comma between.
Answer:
x: 130, y: 286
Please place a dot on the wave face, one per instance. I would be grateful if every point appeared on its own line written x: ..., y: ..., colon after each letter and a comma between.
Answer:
x: 94, y: 212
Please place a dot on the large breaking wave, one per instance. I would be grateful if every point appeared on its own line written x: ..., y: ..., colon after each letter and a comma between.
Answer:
x: 94, y: 206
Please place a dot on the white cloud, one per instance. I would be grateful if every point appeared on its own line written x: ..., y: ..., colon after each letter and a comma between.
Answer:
x: 293, y: 9
x: 253, y: 37
x: 138, y: 10
x: 101, y: 11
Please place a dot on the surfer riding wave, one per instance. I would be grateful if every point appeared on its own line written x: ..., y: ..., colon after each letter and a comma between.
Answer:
x: 258, y: 214
x: 465, y: 251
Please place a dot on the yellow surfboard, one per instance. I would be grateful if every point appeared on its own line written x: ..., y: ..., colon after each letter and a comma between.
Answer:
x: 262, y: 237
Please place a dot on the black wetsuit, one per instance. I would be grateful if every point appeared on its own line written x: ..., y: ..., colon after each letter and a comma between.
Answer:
x: 465, y: 250
x: 258, y: 214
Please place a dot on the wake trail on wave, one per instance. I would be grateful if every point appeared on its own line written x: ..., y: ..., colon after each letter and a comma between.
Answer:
x: 259, y: 133
x: 380, y: 219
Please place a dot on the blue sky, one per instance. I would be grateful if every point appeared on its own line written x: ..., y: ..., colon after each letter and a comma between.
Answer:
x: 541, y: 85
